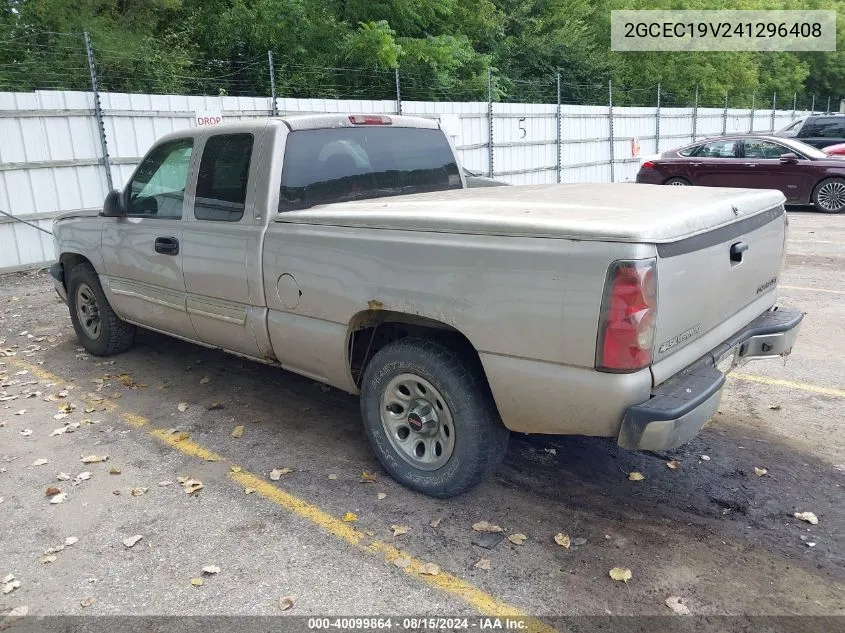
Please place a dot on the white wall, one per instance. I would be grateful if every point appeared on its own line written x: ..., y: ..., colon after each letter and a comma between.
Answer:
x: 50, y: 154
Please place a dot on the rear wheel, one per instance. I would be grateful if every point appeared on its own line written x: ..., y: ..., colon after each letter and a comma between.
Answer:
x: 430, y: 418
x: 829, y: 195
x: 98, y: 328
x: 678, y: 182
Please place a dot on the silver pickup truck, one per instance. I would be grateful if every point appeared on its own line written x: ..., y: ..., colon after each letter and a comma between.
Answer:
x: 349, y: 250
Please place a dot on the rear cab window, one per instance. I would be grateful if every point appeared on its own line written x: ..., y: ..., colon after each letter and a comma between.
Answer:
x: 323, y: 166
x: 223, y: 178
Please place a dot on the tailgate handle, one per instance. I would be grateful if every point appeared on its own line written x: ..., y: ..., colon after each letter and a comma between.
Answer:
x: 737, y: 250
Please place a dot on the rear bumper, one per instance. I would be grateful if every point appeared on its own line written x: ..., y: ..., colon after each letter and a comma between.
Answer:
x: 679, y: 407
x: 57, y: 272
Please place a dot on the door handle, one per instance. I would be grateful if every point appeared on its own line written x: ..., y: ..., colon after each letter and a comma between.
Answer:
x: 750, y: 164
x: 695, y: 164
x: 167, y: 245
x: 737, y: 249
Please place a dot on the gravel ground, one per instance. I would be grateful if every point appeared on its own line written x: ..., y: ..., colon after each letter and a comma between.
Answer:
x: 711, y: 532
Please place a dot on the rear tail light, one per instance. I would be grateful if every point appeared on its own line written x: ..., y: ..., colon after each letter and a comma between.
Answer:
x: 647, y: 165
x: 628, y: 316
x: 369, y: 119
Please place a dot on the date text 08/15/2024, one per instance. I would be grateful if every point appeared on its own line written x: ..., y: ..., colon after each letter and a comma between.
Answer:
x: 418, y: 623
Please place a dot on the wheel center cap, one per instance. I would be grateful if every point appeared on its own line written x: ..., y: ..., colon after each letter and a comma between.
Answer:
x: 422, y: 418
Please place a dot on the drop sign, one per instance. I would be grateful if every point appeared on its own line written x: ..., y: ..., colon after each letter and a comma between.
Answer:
x: 207, y: 118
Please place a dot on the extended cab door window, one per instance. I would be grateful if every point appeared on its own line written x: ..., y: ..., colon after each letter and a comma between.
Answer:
x: 322, y: 166
x: 223, y: 177
x: 158, y: 187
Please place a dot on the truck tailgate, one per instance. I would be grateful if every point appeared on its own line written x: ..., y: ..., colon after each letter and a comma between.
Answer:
x: 713, y: 284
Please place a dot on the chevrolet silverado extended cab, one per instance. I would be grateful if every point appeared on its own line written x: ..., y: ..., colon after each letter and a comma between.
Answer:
x: 348, y: 249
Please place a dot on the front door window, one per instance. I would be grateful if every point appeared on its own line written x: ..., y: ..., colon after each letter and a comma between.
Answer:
x: 158, y: 187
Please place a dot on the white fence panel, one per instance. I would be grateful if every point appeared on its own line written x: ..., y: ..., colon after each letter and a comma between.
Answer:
x: 51, y: 156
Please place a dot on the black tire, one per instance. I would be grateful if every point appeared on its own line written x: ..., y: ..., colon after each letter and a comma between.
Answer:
x: 480, y: 438
x: 678, y: 182
x: 113, y: 335
x: 829, y: 195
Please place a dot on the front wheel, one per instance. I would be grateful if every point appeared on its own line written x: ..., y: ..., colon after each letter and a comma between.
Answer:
x: 98, y: 328
x: 829, y: 195
x: 430, y: 418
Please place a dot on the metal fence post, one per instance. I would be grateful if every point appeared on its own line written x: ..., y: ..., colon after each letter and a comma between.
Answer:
x: 828, y: 106
x: 774, y: 110
x: 794, y: 105
x: 398, y: 91
x: 695, y: 116
x: 98, y: 111
x: 559, y: 123
x: 274, y: 111
x: 490, y: 122
x: 725, y: 116
x: 657, y: 123
x: 813, y: 105
x: 610, y: 118
x: 753, y: 104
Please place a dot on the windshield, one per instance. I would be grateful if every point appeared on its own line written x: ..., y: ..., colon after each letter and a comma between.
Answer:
x: 342, y: 164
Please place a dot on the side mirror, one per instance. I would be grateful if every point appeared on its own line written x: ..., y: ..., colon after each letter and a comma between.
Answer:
x: 789, y: 157
x: 114, y: 207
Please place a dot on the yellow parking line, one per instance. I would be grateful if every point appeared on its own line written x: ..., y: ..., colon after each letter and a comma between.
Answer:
x: 790, y: 384
x: 483, y: 602
x: 811, y: 289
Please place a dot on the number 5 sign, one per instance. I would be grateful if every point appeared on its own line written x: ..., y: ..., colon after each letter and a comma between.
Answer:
x: 207, y: 118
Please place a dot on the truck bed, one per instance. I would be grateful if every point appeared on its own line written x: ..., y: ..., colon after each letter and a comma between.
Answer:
x: 624, y: 212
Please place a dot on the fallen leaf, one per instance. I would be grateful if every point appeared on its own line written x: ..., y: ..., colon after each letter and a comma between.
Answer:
x: 40, y: 462
x: 429, y: 569
x: 137, y: 492
x: 59, y: 498
x: 114, y: 470
x: 249, y: 491
x: 211, y: 569
x: 94, y: 459
x: 368, y: 477
x: 130, y: 541
x: 83, y: 476
x: 54, y: 550
x: 562, y: 540
x: 381, y: 496
x: 52, y: 558
x: 192, y: 486
x: 332, y: 477
x: 236, y: 469
x: 399, y: 530
x: 349, y: 517
x: 71, y: 540
x: 181, y: 437
x: 182, y: 406
x: 60, y: 416
x: 26, y: 432
x: 276, y: 473
x: 95, y: 397
x: 205, y: 380
x: 197, y: 582
x: 21, y: 412
x: 484, y: 563
x: 484, y: 526
x: 436, y: 522
x: 517, y: 539
x: 401, y: 563
x: 67, y: 407
x: 775, y: 407
x: 238, y: 431
x: 636, y: 476
x: 87, y: 602
x: 286, y: 603
x: 705, y: 458
x: 52, y: 491
x: 760, y: 471
x: 674, y: 464
x: 674, y: 603
x: 7, y: 579
x: 621, y: 573
x: 9, y: 587
x: 165, y: 483
x: 62, y: 476
x: 59, y: 431
x: 809, y: 517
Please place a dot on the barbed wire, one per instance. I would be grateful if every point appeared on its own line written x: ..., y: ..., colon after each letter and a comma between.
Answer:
x: 58, y: 61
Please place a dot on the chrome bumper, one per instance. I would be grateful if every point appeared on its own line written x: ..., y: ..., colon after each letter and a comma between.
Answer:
x: 683, y: 404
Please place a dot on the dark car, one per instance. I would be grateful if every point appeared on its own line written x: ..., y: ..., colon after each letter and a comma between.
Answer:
x: 803, y: 173
x: 818, y: 130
